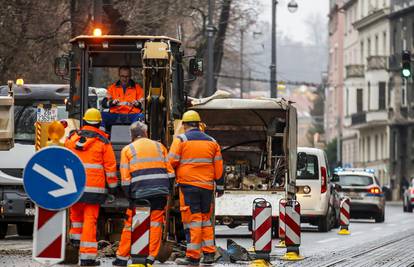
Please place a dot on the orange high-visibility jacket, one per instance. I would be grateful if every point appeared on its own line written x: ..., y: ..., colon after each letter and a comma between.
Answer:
x: 145, y: 170
x: 133, y: 92
x: 95, y: 151
x: 196, y: 157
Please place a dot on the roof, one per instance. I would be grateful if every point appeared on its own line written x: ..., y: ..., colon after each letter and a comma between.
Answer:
x: 237, y: 103
x: 38, y: 91
x: 361, y: 173
x: 310, y: 150
x: 92, y: 38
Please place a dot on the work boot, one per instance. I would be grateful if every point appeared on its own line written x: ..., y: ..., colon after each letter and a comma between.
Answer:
x: 90, y: 263
x: 187, y: 261
x: 208, y: 258
x: 119, y: 262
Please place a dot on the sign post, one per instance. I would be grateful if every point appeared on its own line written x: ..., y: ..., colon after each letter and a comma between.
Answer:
x: 54, y: 179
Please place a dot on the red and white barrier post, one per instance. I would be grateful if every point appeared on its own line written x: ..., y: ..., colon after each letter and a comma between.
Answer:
x: 262, y: 228
x: 292, y: 230
x: 281, y: 229
x: 140, y: 234
x: 344, y: 217
x: 49, y: 236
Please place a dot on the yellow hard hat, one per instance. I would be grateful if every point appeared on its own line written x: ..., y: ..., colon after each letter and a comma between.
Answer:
x: 92, y: 116
x: 191, y: 116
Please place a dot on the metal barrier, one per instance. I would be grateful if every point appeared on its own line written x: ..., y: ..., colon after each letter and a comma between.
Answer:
x: 262, y: 228
x: 292, y: 230
x: 344, y: 217
x: 281, y: 229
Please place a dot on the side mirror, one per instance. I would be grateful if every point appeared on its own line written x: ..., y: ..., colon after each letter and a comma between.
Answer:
x: 62, y: 66
x: 335, y: 178
x: 302, y: 161
x: 196, y: 67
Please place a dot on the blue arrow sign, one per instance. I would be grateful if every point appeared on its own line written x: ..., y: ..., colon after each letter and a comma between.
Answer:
x: 54, y: 178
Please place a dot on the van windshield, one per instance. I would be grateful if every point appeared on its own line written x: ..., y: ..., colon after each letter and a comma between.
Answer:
x: 24, y: 120
x: 311, y: 172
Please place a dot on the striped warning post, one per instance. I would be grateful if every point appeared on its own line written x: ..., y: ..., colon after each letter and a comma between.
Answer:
x: 38, y: 135
x: 344, y: 217
x: 292, y: 231
x: 281, y: 229
x: 49, y: 236
x: 140, y: 234
x: 262, y: 227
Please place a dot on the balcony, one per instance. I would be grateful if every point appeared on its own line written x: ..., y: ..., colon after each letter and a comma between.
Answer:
x: 377, y: 63
x: 377, y: 116
x: 355, y: 71
x: 358, y: 118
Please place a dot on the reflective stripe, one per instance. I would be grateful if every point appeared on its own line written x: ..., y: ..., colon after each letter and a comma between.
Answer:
x: 124, y: 166
x: 156, y: 224
x: 133, y: 152
x: 183, y: 137
x: 87, y: 256
x: 112, y: 185
x: 192, y: 225
x: 122, y: 258
x: 127, y: 228
x: 206, y: 223
x: 196, y: 160
x: 75, y: 236
x: 92, y: 166
x: 203, y: 182
x: 125, y: 183
x: 218, y: 158
x: 143, y: 160
x: 206, y: 243
x: 193, y: 246
x: 77, y: 225
x: 149, y: 177
x: 220, y: 187
x: 171, y: 175
x: 90, y: 189
x: 173, y: 155
x: 124, y: 103
x: 110, y: 174
x: 88, y: 244
x: 151, y: 258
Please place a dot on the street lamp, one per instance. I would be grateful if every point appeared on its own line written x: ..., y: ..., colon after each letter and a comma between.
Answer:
x: 292, y: 7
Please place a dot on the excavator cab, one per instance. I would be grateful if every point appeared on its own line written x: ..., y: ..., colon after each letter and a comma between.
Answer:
x: 157, y: 63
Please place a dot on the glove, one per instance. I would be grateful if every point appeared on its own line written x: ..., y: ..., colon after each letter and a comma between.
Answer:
x: 113, y: 102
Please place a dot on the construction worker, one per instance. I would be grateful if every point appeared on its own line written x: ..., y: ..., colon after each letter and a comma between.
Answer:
x: 124, y: 99
x: 147, y: 176
x: 196, y: 158
x: 96, y: 153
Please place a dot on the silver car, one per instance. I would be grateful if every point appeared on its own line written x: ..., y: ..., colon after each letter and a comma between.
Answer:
x: 364, y: 190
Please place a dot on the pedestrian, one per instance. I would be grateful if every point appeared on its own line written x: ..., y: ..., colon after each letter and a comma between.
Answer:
x: 146, y: 176
x: 95, y: 151
x: 196, y: 158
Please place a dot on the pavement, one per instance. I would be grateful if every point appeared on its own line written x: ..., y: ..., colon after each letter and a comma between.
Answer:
x: 369, y: 244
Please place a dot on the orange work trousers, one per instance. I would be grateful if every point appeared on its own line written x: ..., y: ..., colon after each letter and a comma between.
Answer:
x: 157, y: 220
x: 83, y: 218
x: 196, y: 211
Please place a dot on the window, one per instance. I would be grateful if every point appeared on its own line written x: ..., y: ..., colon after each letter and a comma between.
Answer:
x: 347, y: 102
x: 369, y: 96
x: 376, y: 156
x: 376, y: 46
x: 394, y: 41
x: 369, y: 47
x: 368, y: 149
x: 384, y: 44
x: 360, y: 95
x: 394, y: 143
x: 381, y: 95
x: 311, y: 172
x: 355, y: 180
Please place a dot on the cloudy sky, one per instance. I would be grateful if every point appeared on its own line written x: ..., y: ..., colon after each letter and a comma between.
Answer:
x: 293, y: 24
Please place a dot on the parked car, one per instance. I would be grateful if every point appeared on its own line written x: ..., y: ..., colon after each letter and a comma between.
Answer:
x: 364, y: 190
x: 408, y: 198
x: 317, y: 195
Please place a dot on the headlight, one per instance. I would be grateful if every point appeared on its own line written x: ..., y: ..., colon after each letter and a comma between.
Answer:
x: 306, y: 190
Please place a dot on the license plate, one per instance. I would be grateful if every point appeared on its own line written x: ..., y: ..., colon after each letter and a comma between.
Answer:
x: 354, y: 195
x: 47, y: 114
x: 30, y: 211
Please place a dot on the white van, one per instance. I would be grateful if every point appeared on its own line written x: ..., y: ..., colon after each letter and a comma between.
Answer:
x: 318, y: 197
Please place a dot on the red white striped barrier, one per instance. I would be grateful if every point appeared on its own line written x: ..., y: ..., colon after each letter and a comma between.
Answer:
x: 262, y: 227
x: 292, y: 238
x: 49, y: 236
x: 344, y: 217
x: 281, y: 230
x: 140, y: 234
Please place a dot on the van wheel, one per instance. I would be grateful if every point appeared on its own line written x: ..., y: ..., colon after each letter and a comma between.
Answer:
x: 25, y: 229
x: 324, y: 224
x: 380, y: 217
x: 3, y: 230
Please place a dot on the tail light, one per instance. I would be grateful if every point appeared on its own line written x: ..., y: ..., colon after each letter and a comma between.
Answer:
x: 324, y: 180
x: 374, y: 190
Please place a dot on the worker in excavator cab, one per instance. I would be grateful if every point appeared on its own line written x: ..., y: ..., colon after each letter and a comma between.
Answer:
x: 125, y: 99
